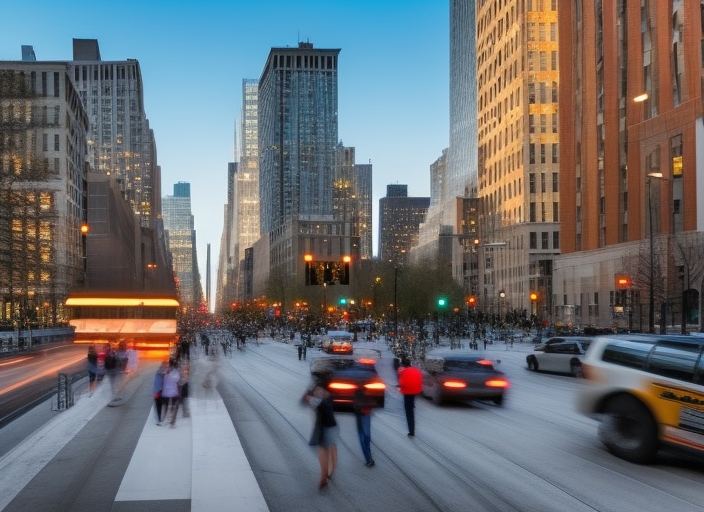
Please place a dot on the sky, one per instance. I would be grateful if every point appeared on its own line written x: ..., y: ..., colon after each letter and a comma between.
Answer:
x: 393, y: 74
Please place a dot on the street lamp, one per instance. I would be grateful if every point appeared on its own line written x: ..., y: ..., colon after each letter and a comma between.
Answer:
x: 651, y: 296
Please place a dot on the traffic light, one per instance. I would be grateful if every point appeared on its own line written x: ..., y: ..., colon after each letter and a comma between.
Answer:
x: 623, y: 282
x: 343, y: 302
x: 471, y: 301
x: 442, y: 302
x: 533, y: 297
x: 311, y: 275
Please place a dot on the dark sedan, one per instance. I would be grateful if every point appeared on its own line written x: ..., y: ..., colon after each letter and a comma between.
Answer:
x: 456, y: 375
x: 345, y: 375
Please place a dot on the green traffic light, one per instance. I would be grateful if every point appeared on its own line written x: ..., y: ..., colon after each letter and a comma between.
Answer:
x: 441, y: 302
x: 343, y: 301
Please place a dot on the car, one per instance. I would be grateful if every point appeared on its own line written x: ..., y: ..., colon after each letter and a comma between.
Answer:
x: 454, y: 375
x: 647, y: 392
x: 558, y: 339
x: 345, y: 375
x: 338, y: 342
x: 560, y: 357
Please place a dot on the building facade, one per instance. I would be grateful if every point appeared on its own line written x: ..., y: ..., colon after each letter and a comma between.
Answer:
x: 181, y: 243
x: 120, y: 142
x: 400, y: 217
x: 297, y: 134
x: 43, y: 143
x: 632, y: 167
x: 518, y: 148
x: 352, y: 196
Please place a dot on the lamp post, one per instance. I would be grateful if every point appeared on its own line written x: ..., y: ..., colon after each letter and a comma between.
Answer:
x: 651, y: 293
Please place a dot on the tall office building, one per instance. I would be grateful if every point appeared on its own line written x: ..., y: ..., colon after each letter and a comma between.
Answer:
x: 246, y: 183
x: 43, y: 128
x: 298, y: 104
x: 518, y: 168
x: 632, y: 177
x: 461, y: 176
x: 241, y: 226
x: 120, y: 142
x: 181, y: 243
x: 352, y: 196
x: 297, y: 134
x: 399, y: 219
x: 443, y: 235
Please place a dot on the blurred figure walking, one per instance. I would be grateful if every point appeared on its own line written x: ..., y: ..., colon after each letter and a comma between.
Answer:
x: 92, y: 368
x: 157, y: 390
x: 183, y: 386
x: 325, y: 430
x: 363, y: 407
x: 410, y: 383
x: 170, y: 392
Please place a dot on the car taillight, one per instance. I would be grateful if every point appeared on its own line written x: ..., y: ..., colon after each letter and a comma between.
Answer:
x: 485, y: 362
x: 497, y: 383
x: 454, y: 384
x: 375, y: 385
x: 366, y: 360
x: 345, y: 386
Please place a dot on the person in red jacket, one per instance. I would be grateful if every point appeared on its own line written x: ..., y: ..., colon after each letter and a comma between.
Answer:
x: 410, y: 383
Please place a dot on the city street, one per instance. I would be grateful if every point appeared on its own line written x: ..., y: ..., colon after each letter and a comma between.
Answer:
x: 534, y: 453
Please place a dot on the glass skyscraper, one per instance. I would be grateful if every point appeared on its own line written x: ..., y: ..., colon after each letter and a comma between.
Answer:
x: 298, y: 101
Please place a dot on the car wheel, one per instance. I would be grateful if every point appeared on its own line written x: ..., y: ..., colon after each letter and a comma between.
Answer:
x: 628, y: 429
x: 532, y: 363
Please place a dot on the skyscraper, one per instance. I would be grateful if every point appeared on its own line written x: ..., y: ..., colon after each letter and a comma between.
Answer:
x: 181, y: 243
x: 518, y: 169
x: 120, y: 142
x: 297, y: 134
x: 352, y: 196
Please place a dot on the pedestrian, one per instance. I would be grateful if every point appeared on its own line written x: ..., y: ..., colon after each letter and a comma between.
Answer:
x: 92, y: 368
x: 363, y: 407
x: 410, y: 383
x: 170, y: 392
x: 325, y: 430
x: 111, y: 369
x: 185, y: 372
x: 305, y: 349
x: 157, y: 390
x: 300, y: 350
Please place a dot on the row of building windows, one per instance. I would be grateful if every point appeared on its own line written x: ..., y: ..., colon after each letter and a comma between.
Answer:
x: 532, y: 185
x: 543, y: 212
x: 544, y: 240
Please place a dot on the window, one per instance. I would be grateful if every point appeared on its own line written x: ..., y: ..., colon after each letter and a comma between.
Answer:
x: 544, y: 240
x: 531, y: 183
x: 555, y: 153
x: 554, y: 182
x: 56, y: 142
x: 674, y: 361
x: 533, y: 240
x: 627, y: 353
x: 542, y: 182
x: 555, y: 239
x: 532, y: 212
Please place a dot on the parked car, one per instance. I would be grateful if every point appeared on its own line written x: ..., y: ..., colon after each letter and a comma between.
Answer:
x: 558, y: 339
x: 456, y: 375
x: 346, y: 374
x: 647, y: 390
x: 560, y: 357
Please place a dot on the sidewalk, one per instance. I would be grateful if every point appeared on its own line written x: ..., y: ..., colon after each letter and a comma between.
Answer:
x: 199, y: 465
